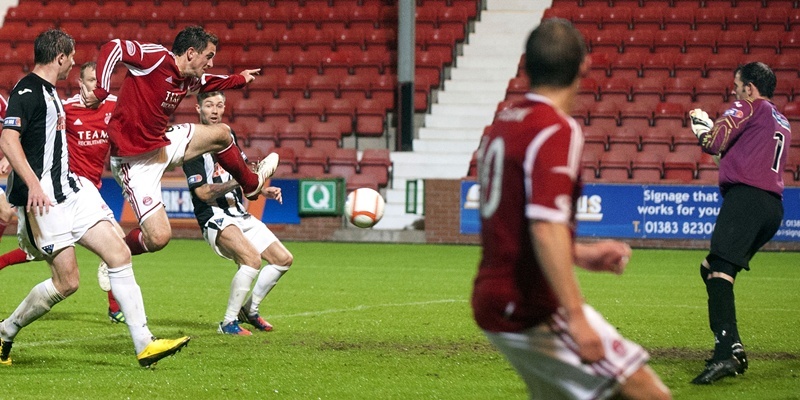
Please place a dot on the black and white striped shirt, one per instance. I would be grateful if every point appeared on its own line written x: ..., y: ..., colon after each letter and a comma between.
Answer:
x: 36, y: 112
x: 203, y: 170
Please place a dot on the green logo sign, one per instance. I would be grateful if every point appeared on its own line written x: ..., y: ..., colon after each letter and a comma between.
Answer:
x: 321, y: 196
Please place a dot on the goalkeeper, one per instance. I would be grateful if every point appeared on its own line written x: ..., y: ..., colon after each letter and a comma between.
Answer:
x: 750, y: 141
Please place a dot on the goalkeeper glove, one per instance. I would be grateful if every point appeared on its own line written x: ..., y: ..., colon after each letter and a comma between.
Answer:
x: 700, y: 122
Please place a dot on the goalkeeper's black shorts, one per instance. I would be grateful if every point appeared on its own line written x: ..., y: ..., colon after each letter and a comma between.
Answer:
x: 748, y: 219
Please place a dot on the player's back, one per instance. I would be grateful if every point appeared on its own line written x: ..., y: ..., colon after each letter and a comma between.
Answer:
x: 759, y: 150
x: 527, y: 165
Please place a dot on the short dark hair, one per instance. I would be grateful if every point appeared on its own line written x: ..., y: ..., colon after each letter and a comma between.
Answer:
x: 49, y: 44
x: 193, y: 36
x: 554, y: 53
x: 87, y: 65
x: 204, y: 95
x: 760, y: 75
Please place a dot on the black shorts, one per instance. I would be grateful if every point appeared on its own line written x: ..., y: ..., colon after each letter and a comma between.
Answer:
x: 748, y: 219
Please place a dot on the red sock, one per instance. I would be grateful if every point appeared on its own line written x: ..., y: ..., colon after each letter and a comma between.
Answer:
x: 231, y: 160
x: 16, y: 256
x: 112, y: 303
x: 135, y: 242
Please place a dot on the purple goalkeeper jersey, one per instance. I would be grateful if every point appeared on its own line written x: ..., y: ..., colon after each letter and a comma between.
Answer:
x: 753, y: 139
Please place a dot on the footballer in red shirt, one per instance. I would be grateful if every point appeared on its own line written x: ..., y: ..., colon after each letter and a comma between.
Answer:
x: 143, y: 146
x: 526, y: 298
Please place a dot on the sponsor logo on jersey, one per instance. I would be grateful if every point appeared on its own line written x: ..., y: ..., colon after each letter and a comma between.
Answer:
x: 733, y: 112
x: 169, y: 79
x: 130, y: 47
x: 618, y: 347
x: 107, y: 118
x: 194, y: 179
x: 78, y: 121
x: 48, y: 249
x: 12, y: 121
x: 23, y: 91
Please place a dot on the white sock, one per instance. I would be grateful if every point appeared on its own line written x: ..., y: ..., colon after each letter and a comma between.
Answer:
x: 129, y: 297
x: 240, y: 286
x: 266, y: 281
x: 37, y: 303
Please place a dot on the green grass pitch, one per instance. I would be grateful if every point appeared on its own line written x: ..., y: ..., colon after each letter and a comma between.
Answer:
x: 378, y: 321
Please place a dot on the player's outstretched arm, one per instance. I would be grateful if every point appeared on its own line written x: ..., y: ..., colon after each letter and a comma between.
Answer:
x: 552, y: 244
x: 250, y: 74
x: 605, y: 255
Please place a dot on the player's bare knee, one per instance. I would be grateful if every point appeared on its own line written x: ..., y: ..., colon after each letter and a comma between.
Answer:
x: 252, y: 260
x: 284, y: 259
x: 67, y: 286
x: 157, y: 241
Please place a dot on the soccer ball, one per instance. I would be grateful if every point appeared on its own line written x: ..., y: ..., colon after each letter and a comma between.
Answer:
x: 364, y: 207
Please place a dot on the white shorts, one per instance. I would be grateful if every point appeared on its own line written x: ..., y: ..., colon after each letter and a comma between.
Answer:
x: 545, y: 358
x: 140, y: 176
x: 254, y: 231
x: 65, y: 224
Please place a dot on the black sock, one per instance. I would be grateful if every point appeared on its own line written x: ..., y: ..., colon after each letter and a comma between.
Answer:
x: 704, y: 273
x: 722, y: 316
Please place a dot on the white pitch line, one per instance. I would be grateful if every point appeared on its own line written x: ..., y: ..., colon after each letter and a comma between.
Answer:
x: 303, y: 314
x: 365, y: 307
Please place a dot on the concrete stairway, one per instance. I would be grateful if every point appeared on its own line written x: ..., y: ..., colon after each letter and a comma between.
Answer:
x: 466, y: 104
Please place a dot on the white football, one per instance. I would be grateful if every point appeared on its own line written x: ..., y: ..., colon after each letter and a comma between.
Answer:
x: 364, y: 207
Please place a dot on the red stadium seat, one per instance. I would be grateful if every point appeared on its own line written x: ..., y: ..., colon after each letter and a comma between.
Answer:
x: 361, y: 180
x: 648, y: 88
x: 308, y: 110
x: 293, y: 135
x: 742, y: 18
x: 312, y: 163
x: 617, y: 18
x: 607, y: 41
x: 668, y: 41
x: 251, y: 107
x: 669, y: 114
x: 700, y: 42
x: 615, y: 89
x: 680, y: 17
x: 773, y: 19
x: 709, y: 20
x: 680, y: 166
x: 341, y: 112
x: 637, y: 114
x: 647, y: 167
x: 370, y: 117
x: 614, y: 166
x: 647, y: 18
x: 679, y: 90
x: 325, y: 136
x: 625, y: 140
x: 656, y: 140
x: 660, y: 65
x: 288, y: 162
x: 376, y: 163
x: 734, y: 42
x: 712, y: 89
x: 343, y: 162
x: 638, y: 41
x: 764, y: 42
x: 262, y: 134
x: 323, y: 83
x: 588, y: 17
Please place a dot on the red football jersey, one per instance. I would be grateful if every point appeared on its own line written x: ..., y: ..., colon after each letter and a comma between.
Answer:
x: 3, y: 106
x: 151, y: 91
x: 87, y: 137
x: 528, y: 162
